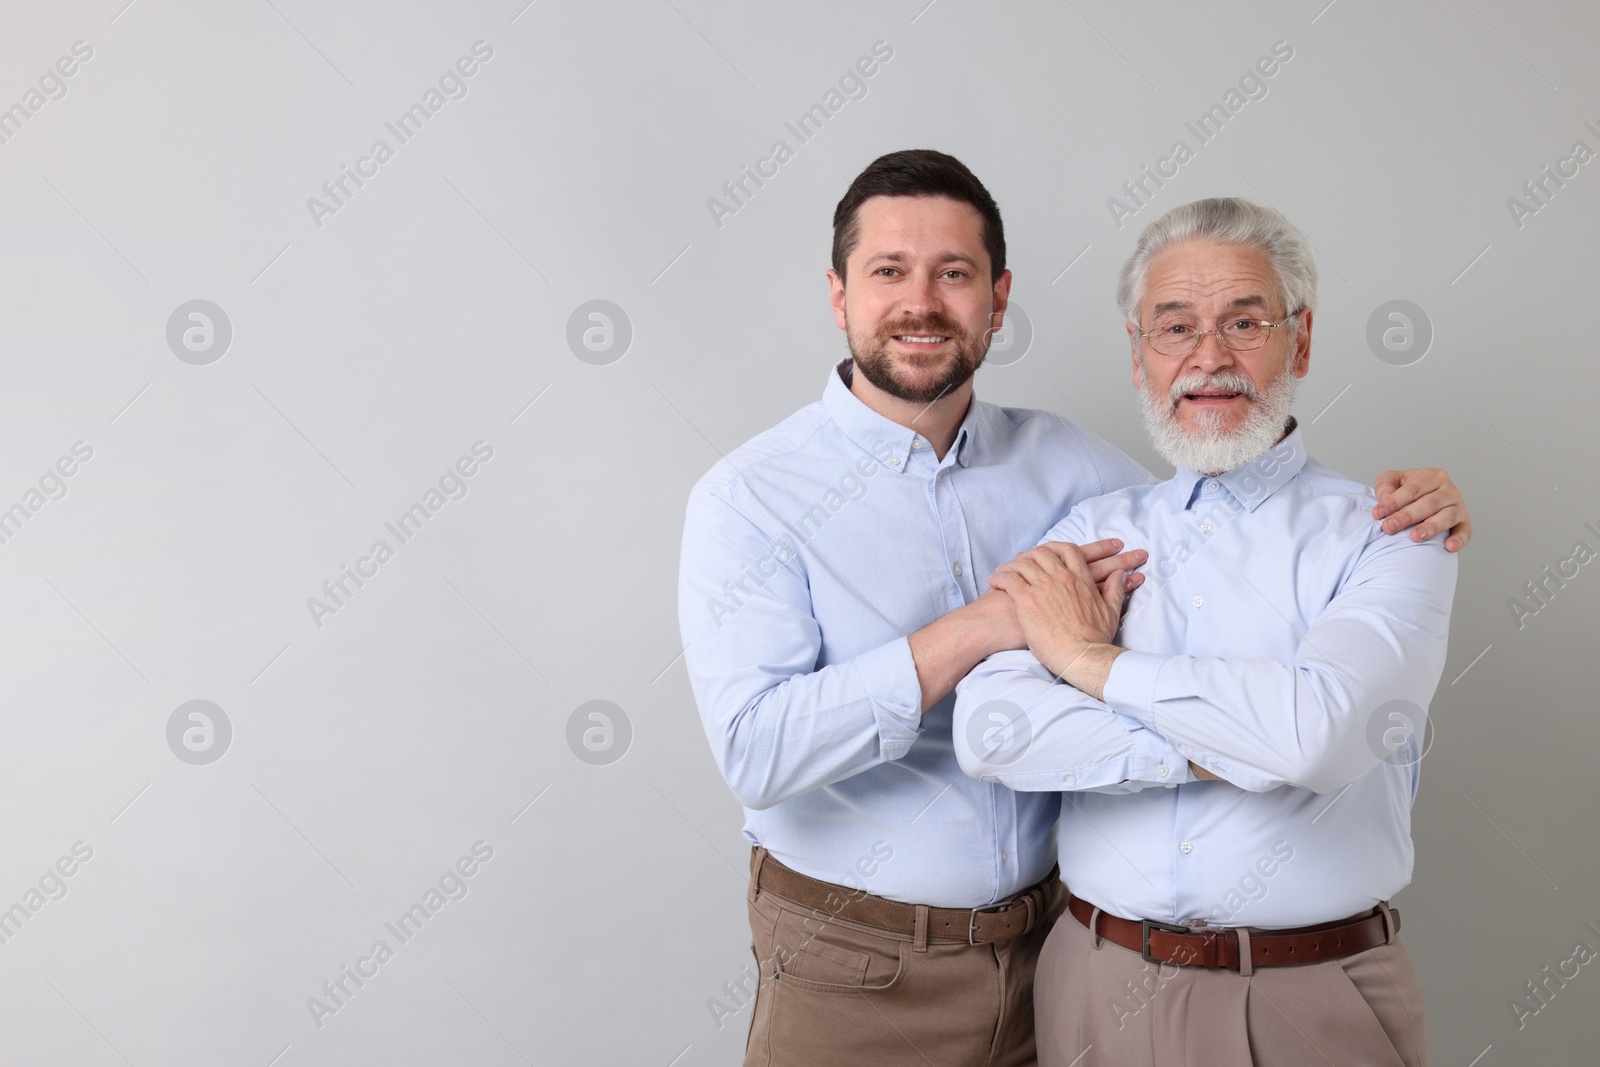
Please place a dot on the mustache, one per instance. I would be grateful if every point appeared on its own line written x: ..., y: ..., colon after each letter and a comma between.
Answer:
x: 1224, y: 381
x: 938, y: 324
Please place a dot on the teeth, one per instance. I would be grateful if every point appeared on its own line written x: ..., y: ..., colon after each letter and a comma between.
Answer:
x: 920, y: 339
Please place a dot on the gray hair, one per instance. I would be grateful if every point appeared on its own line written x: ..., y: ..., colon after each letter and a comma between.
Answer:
x: 1226, y: 220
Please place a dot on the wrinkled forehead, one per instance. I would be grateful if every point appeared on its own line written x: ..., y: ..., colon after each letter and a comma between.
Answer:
x: 1208, y: 278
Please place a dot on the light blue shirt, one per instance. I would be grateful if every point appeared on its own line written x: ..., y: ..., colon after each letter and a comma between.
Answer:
x: 1280, y: 640
x: 809, y: 556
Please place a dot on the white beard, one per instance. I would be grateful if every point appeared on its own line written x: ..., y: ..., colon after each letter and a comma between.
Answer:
x: 1209, y: 449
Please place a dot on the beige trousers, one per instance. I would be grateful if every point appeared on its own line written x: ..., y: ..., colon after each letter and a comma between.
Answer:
x: 840, y: 994
x: 1109, y: 1007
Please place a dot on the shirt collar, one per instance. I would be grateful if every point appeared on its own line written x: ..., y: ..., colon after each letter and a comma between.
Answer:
x: 1252, y: 483
x: 884, y: 438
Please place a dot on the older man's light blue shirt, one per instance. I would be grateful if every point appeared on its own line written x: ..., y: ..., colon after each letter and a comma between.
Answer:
x: 809, y: 556
x: 1282, y: 641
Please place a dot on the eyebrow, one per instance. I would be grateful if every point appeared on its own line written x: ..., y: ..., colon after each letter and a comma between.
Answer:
x: 1183, y: 305
x: 901, y: 257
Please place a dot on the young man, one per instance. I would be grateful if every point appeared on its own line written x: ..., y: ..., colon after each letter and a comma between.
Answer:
x: 831, y: 595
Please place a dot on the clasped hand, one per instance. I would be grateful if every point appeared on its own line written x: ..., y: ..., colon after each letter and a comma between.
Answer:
x: 1069, y: 599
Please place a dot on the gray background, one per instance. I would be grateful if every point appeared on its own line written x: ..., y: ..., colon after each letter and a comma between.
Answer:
x: 370, y: 352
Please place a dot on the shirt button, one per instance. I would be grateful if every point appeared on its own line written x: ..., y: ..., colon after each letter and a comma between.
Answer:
x: 918, y: 443
x: 1003, y: 856
x: 1212, y: 486
x: 1185, y: 847
x: 1205, y: 527
x: 957, y: 570
x: 1072, y: 780
x: 1197, y: 601
x: 894, y: 460
x: 1161, y: 771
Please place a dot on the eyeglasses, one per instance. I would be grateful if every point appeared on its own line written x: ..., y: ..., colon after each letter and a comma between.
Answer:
x: 1240, y: 335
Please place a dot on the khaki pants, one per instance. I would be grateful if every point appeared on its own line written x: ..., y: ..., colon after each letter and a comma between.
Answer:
x: 1105, y: 1006
x: 840, y: 994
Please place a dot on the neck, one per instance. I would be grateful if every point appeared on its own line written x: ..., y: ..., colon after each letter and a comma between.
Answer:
x: 938, y: 421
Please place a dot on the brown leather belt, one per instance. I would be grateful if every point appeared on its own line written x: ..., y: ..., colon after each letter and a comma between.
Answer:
x: 1218, y: 946
x: 976, y: 926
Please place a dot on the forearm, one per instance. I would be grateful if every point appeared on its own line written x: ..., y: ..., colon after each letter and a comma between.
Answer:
x: 947, y: 648
x: 1087, y: 669
x: 1016, y: 725
x: 1302, y: 719
x: 782, y: 715
x: 777, y: 741
x: 1259, y: 723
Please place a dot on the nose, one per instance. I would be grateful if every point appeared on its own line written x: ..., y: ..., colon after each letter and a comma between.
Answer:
x: 921, y: 295
x: 1211, y: 354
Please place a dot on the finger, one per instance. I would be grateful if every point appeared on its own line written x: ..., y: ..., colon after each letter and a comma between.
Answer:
x: 1097, y: 549
x: 1395, y: 489
x: 1133, y: 581
x: 1064, y: 558
x: 1003, y: 580
x: 1028, y: 571
x: 1048, y: 558
x: 1460, y: 534
x: 1114, y: 591
x: 1071, y: 558
x: 1409, y: 486
x: 1438, y: 514
x: 1444, y: 520
x: 1127, y: 561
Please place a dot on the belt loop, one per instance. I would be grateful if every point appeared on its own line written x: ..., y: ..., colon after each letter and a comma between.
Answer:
x: 1388, y: 922
x: 1094, y: 929
x: 1247, y: 963
x: 919, y: 932
x: 758, y: 856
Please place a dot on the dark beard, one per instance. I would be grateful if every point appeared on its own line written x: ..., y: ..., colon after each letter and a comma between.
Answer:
x: 878, y: 367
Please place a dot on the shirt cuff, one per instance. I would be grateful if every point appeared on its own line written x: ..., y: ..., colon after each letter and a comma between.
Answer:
x: 1156, y: 761
x: 889, y: 676
x: 1131, y: 686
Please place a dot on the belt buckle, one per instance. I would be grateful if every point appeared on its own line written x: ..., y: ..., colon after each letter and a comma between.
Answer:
x: 972, y: 918
x: 1146, y: 925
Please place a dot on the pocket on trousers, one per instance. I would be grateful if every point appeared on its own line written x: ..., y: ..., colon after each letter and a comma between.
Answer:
x: 813, y: 953
x: 1387, y: 984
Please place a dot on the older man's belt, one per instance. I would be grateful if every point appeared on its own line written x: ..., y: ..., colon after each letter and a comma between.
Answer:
x: 1224, y: 947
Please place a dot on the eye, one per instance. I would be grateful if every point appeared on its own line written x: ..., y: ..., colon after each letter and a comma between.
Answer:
x: 955, y: 273
x: 1243, y: 327
x: 1174, y: 329
x: 885, y: 271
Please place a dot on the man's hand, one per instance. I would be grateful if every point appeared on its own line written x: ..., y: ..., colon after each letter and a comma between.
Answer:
x: 1064, y: 612
x: 950, y: 646
x: 1427, y: 499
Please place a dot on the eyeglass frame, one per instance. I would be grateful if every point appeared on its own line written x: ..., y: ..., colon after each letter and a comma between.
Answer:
x: 1200, y: 335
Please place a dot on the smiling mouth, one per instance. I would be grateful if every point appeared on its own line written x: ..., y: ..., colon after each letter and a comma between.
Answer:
x: 1211, y: 397
x: 922, y: 340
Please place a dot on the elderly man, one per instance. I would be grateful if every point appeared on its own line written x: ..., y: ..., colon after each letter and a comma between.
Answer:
x: 1282, y: 643
x: 831, y: 596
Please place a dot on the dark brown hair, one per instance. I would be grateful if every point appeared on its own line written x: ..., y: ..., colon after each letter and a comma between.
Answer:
x: 917, y: 172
